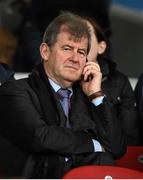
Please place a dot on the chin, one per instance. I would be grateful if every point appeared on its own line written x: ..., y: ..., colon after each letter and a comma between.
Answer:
x: 73, y: 79
x: 72, y: 76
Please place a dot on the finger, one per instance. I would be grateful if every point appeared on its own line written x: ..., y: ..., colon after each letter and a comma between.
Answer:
x: 92, y: 63
x: 86, y: 75
x: 91, y: 67
x: 92, y: 72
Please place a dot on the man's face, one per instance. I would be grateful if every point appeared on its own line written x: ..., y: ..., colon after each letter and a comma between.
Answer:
x: 66, y: 59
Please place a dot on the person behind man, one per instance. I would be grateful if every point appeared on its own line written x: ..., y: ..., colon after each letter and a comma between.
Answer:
x: 36, y: 19
x: 8, y: 44
x: 115, y: 84
x: 139, y: 101
x: 56, y: 119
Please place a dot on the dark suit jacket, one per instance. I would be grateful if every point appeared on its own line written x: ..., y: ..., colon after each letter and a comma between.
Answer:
x: 33, y: 144
x: 121, y: 97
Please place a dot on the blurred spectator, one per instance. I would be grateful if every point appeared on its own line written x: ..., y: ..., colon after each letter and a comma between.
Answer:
x: 139, y: 100
x: 6, y: 73
x: 11, y: 14
x: 41, y: 12
x: 115, y: 84
x: 8, y: 44
x: 12, y: 17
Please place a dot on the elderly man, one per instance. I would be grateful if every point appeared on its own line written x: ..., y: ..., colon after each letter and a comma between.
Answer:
x: 58, y: 118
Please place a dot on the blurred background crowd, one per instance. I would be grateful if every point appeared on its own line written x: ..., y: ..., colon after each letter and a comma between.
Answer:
x: 22, y: 23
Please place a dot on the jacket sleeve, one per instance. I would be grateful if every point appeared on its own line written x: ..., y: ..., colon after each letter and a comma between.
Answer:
x: 23, y: 125
x: 127, y: 113
x: 110, y: 131
x: 121, y: 98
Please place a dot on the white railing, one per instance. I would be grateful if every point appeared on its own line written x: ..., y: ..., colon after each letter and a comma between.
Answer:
x: 20, y: 75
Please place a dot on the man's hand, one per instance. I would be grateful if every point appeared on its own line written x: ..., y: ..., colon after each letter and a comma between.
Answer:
x: 91, y: 69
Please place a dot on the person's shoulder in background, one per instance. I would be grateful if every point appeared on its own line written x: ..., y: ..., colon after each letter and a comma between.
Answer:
x: 6, y: 73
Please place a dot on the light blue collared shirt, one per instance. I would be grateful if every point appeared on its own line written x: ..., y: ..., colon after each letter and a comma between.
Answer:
x: 56, y: 87
x: 96, y: 102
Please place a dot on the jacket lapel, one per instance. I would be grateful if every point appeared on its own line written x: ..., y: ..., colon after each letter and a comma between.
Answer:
x: 45, y: 95
x: 81, y: 117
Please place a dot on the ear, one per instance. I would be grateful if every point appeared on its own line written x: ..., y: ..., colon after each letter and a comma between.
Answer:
x: 44, y: 51
x: 102, y: 47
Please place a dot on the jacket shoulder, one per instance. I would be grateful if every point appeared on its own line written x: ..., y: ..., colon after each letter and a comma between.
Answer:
x: 119, y: 76
x: 119, y: 79
x: 14, y: 86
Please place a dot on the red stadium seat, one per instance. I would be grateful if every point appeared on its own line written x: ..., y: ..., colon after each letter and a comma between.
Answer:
x: 103, y: 172
x: 132, y: 159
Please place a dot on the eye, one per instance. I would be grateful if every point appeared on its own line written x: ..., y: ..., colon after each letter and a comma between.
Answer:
x: 82, y: 53
x: 66, y: 48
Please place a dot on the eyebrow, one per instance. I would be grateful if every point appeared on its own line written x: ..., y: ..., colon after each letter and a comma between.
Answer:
x: 81, y: 49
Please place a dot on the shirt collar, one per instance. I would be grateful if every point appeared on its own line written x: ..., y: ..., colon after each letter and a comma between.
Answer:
x: 56, y: 87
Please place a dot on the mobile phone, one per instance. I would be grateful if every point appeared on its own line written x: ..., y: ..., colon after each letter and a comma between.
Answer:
x: 90, y: 77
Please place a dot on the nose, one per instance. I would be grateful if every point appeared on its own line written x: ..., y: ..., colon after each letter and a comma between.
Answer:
x: 75, y: 56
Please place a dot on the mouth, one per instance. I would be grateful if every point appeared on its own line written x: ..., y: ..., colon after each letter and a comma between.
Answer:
x: 72, y: 67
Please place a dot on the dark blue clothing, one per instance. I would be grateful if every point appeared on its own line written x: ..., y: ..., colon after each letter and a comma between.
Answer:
x: 6, y: 73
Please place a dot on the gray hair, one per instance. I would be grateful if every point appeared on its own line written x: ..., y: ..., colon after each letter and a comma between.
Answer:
x: 67, y: 22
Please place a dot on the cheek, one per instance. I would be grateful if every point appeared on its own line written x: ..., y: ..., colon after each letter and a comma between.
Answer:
x: 57, y: 59
x: 82, y: 64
